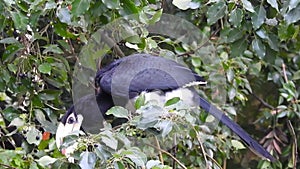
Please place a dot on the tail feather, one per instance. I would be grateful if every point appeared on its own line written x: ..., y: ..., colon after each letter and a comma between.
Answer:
x: 251, y: 143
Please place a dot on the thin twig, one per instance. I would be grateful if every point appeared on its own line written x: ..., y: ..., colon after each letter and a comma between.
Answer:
x: 202, y: 148
x: 169, y: 154
x: 294, y: 138
x: 284, y: 72
x: 174, y: 152
x: 200, y: 46
x: 7, y: 166
x: 263, y: 102
x: 204, y: 153
x: 160, y: 154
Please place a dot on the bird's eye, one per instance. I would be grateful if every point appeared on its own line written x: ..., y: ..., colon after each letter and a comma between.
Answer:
x: 70, y: 120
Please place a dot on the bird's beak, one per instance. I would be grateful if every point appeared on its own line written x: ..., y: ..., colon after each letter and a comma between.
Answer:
x: 64, y: 130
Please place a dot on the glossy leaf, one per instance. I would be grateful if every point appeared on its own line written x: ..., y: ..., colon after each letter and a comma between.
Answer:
x: 216, y: 12
x: 45, y: 68
x: 293, y: 15
x: 53, y: 49
x: 119, y: 112
x: 258, y: 17
x: 33, y: 136
x: 20, y: 20
x: 234, y: 35
x: 248, y: 6
x: 237, y: 144
x: 112, y: 4
x: 236, y: 17
x: 293, y: 4
x: 238, y: 47
x: 172, y: 101
x: 9, y: 40
x: 259, y: 48
x: 64, y: 15
x: 87, y: 160
x: 273, y: 3
x: 46, y: 160
x: 10, y: 52
x: 80, y: 6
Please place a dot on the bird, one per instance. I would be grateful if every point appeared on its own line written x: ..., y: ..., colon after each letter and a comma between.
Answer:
x: 123, y: 80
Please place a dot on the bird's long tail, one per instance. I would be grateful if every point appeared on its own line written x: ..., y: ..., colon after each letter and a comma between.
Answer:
x: 251, y: 143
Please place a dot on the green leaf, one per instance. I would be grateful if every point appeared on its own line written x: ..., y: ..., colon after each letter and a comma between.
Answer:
x: 46, y: 161
x: 9, y: 40
x: 50, y: 5
x: 231, y: 93
x: 109, y: 140
x: 17, y: 122
x: 230, y: 75
x: 45, y: 68
x: 273, y: 3
x: 248, y: 6
x: 79, y: 7
x: 10, y: 2
x: 152, y: 163
x: 216, y: 12
x: 293, y: 15
x: 118, y: 111
x: 259, y: 48
x: 33, y: 136
x: 13, y: 68
x: 112, y: 4
x: 286, y: 31
x: 119, y: 165
x: 61, y: 30
x: 234, y: 35
x: 64, y: 15
x: 87, y: 160
x: 273, y: 42
x: 181, y: 4
x: 20, y: 20
x: 258, y: 17
x: 255, y: 69
x: 172, y: 101
x: 156, y: 17
x: 10, y: 51
x: 150, y: 116
x: 185, y: 4
x: 135, y: 155
x: 129, y: 8
x: 293, y: 4
x: 49, y: 94
x: 52, y: 48
x: 165, y: 127
x: 238, y: 47
x: 236, y: 17
x: 237, y: 144
x: 296, y: 75
x: 47, y: 125
x: 196, y: 61
x: 230, y: 110
x: 140, y: 101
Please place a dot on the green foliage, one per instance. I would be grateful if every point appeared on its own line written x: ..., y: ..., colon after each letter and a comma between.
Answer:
x: 258, y: 47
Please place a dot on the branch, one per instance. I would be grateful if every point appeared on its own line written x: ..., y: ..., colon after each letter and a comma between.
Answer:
x: 263, y: 102
x: 193, y: 51
x: 169, y: 154
x: 7, y: 166
x: 294, y: 150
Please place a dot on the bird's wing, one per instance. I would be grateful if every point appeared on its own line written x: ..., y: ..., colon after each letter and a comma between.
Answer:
x: 131, y: 75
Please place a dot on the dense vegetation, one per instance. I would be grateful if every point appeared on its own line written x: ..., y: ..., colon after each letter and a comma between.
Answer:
x: 249, y: 52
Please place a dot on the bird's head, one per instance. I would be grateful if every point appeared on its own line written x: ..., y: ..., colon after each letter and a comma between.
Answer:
x: 69, y: 124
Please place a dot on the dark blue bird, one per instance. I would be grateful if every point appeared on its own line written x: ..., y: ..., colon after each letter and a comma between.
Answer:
x: 125, y: 79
